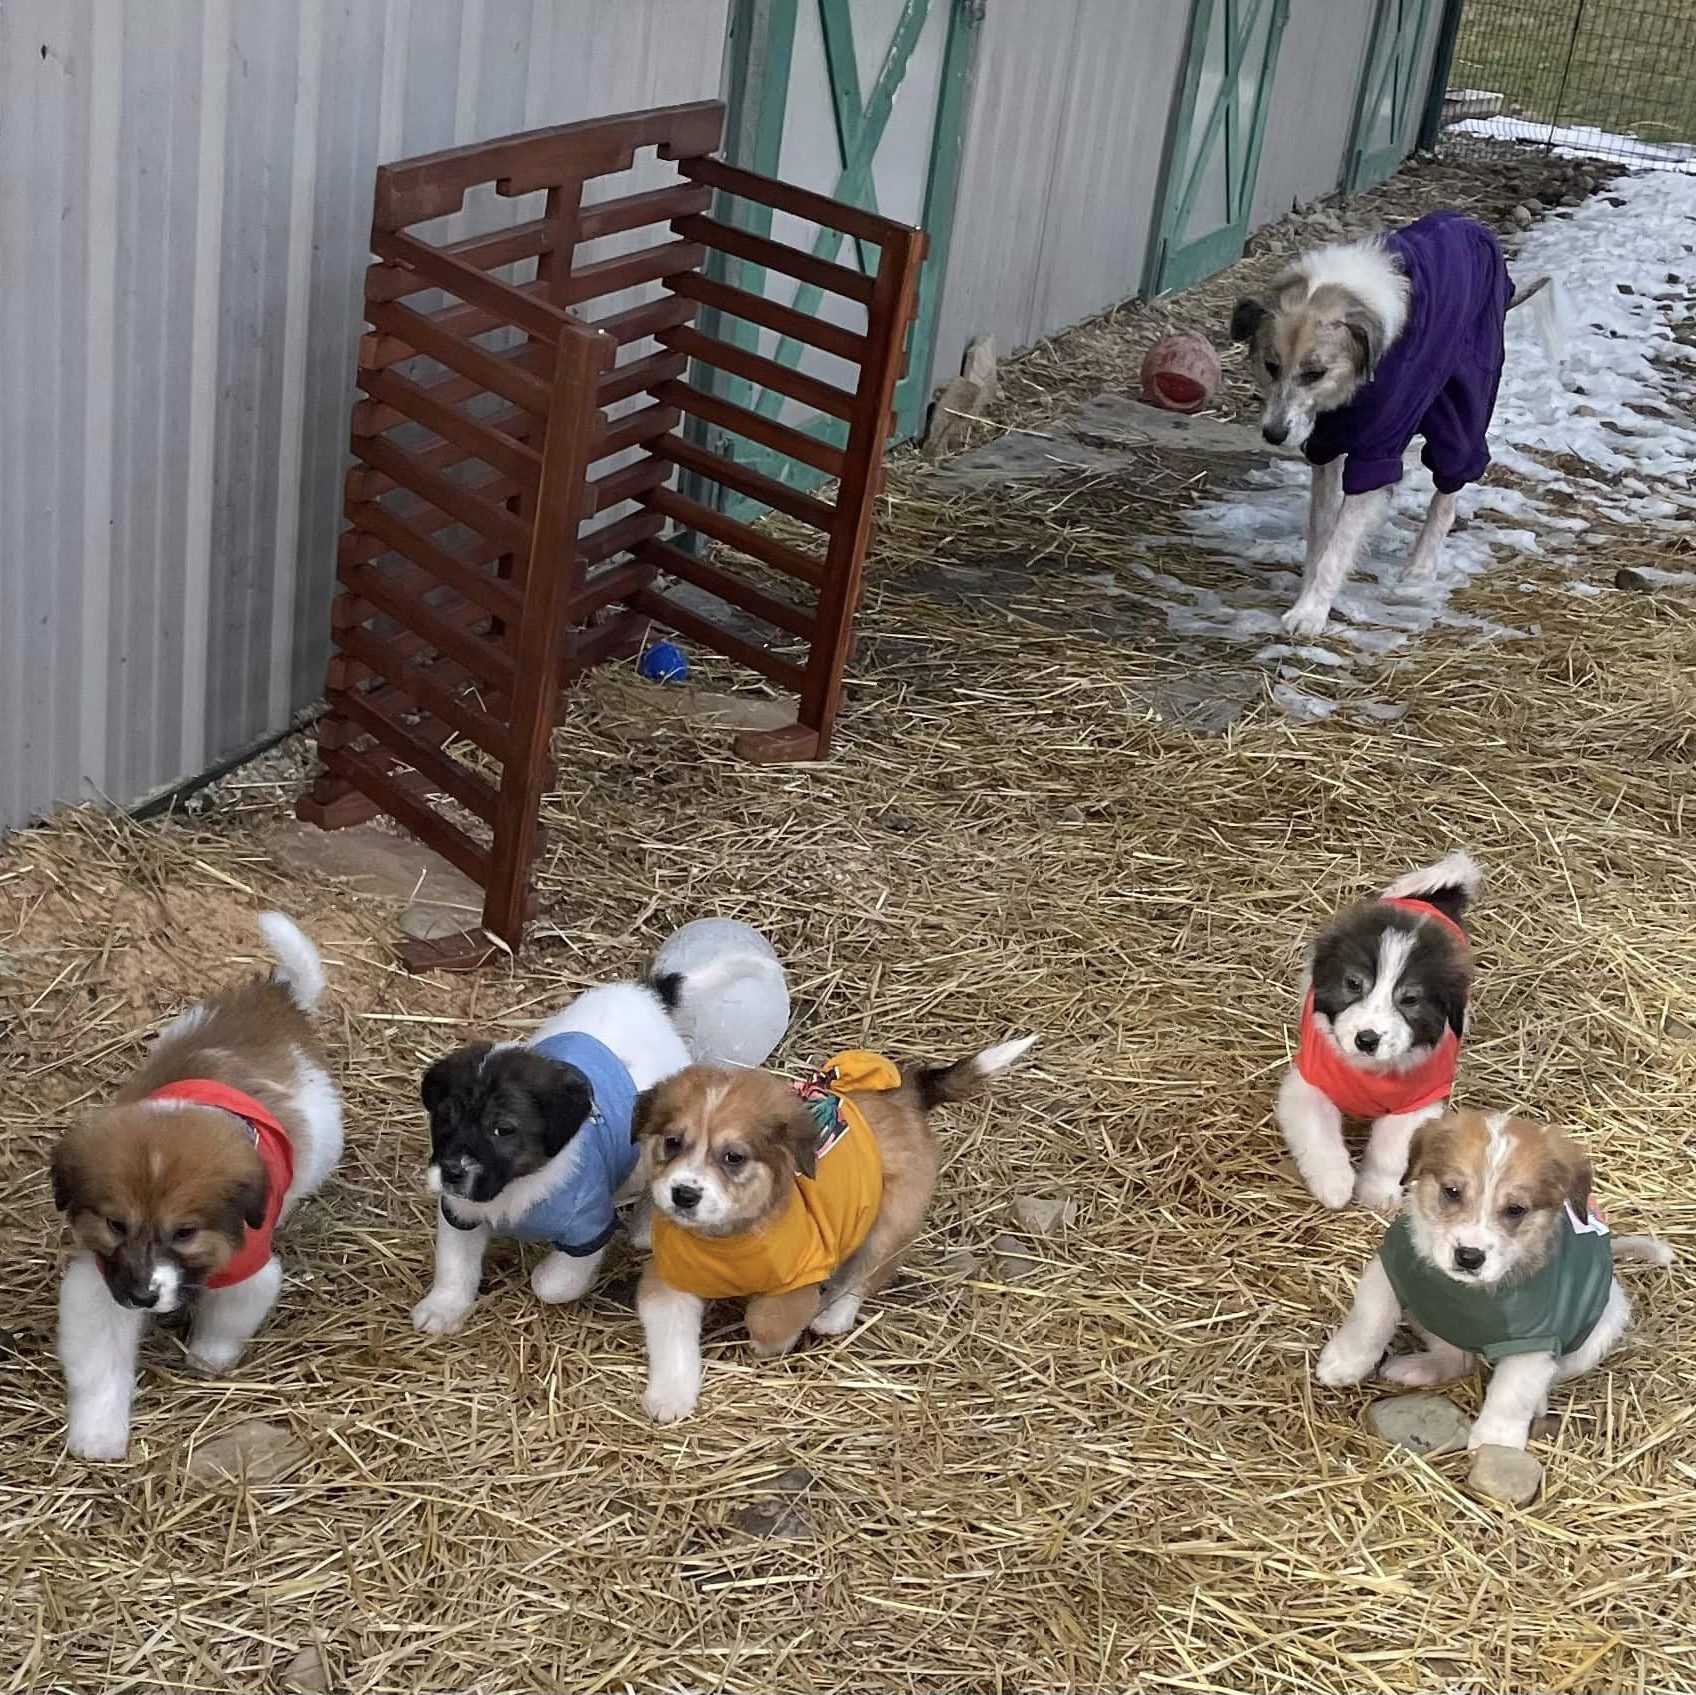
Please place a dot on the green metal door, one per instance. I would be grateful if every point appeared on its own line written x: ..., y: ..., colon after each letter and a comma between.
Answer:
x: 1213, y: 148
x: 812, y: 87
x: 1388, y: 101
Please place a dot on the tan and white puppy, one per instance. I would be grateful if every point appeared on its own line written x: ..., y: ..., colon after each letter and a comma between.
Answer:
x: 755, y: 1200
x: 1498, y: 1247
x: 173, y: 1190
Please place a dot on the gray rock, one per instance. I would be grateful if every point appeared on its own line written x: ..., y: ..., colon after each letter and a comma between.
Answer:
x: 962, y: 1263
x: 1042, y: 1215
x: 255, y: 1449
x: 1012, y: 1259
x: 778, y: 1518
x: 1521, y: 216
x: 1424, y: 1424
x: 425, y: 921
x: 308, y: 1673
x: 1505, y: 1474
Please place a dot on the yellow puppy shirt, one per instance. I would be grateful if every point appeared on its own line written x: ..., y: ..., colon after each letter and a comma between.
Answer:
x: 825, y: 1218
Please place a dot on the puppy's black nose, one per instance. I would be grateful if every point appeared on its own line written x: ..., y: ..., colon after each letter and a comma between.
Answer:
x: 1469, y: 1259
x: 453, y: 1172
x: 1277, y: 434
x: 1367, y: 1040
x: 685, y: 1196
x: 139, y: 1295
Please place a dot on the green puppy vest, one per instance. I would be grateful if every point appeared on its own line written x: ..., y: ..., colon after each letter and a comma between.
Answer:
x: 1551, y: 1312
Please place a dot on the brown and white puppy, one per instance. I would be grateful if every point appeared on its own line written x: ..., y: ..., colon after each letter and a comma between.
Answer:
x: 1493, y: 1199
x: 721, y: 1152
x: 170, y: 1199
x: 1316, y: 337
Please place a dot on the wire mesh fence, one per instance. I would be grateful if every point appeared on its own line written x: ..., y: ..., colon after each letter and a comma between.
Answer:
x: 1611, y: 78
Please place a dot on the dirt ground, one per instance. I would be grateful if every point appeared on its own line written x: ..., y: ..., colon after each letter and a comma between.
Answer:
x: 1086, y: 1460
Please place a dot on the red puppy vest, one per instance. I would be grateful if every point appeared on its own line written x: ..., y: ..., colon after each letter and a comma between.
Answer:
x: 276, y: 1154
x: 1378, y: 1094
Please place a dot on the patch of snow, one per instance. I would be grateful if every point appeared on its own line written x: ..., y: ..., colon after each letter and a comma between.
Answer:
x: 1608, y: 409
x: 1585, y: 141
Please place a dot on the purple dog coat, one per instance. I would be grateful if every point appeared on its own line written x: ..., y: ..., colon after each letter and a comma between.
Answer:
x: 1439, y: 377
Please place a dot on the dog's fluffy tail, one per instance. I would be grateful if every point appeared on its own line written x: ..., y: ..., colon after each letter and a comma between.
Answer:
x: 965, y: 1077
x: 1642, y: 1250
x: 299, y: 970
x: 1451, y: 885
x: 1524, y: 291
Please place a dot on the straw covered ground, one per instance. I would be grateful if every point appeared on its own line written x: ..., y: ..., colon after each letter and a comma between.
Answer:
x: 1092, y: 1460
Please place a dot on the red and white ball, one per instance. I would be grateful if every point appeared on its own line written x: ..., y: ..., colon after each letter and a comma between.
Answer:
x: 1181, y: 372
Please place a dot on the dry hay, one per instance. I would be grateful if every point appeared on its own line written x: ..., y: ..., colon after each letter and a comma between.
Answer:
x: 1112, y: 1473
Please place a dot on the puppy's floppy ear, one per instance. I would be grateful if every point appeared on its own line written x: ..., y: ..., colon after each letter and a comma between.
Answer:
x: 642, y: 1113
x: 799, y: 1133
x: 1427, y: 1149
x: 1247, y: 316
x: 564, y: 1100
x: 1566, y: 1171
x: 1366, y: 331
x: 1450, y: 996
x: 65, y: 1176
x: 247, y: 1198
x: 450, y: 1071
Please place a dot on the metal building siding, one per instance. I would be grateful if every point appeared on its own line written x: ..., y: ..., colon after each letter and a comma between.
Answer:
x: 1313, y: 98
x: 183, y: 220
x: 1069, y: 109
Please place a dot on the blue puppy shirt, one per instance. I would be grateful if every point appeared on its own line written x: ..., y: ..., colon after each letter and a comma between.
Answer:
x: 579, y: 1217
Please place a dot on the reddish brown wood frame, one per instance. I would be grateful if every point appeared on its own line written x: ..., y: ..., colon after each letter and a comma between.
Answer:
x: 475, y: 581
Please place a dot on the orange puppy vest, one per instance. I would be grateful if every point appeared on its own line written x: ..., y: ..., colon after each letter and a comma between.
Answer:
x: 826, y: 1217
x: 276, y: 1154
x: 1379, y: 1094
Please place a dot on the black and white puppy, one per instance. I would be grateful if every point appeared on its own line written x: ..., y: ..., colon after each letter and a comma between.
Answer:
x: 1384, y: 1005
x: 534, y: 1139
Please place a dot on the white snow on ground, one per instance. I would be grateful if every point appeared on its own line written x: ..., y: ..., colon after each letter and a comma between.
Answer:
x: 1627, y: 275
x: 1585, y: 141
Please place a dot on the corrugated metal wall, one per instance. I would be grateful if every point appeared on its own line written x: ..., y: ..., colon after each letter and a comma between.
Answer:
x: 1068, y: 120
x: 185, y: 191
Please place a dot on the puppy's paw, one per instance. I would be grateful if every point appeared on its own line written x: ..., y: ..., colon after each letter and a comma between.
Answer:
x: 439, y: 1314
x: 1378, y: 1194
x: 666, y: 1403
x: 837, y: 1317
x: 561, y: 1277
x: 641, y: 1231
x: 1332, y: 1188
x: 1306, y: 618
x: 1417, y: 1371
x: 1342, y: 1363
x: 212, y: 1356
x: 1488, y: 1432
x: 98, y: 1439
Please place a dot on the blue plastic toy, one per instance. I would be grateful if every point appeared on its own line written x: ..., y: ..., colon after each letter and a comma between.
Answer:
x: 664, y: 662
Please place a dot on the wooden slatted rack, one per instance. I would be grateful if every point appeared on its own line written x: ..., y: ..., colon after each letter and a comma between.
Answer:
x: 527, y: 498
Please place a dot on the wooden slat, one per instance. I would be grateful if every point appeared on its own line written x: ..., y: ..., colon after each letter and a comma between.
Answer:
x: 639, y: 427
x: 472, y: 792
x: 619, y: 486
x: 768, y: 550
x: 641, y: 374
x: 461, y: 321
x: 483, y: 659
x: 367, y: 775
x: 756, y: 485
x: 607, y: 587
x: 410, y: 472
x: 740, y: 421
x: 621, y: 536
x: 637, y: 211
x: 769, y: 315
x: 775, y: 256
x: 762, y: 372
x: 786, y: 197
x: 632, y: 270
x: 487, y: 252
x: 427, y: 520
x: 446, y: 567
x: 349, y: 612
x: 639, y: 322
x: 720, y: 640
x: 508, y: 303
x: 489, y: 370
x: 782, y: 614
x: 450, y: 390
x: 419, y: 683
x: 481, y: 440
x: 617, y: 635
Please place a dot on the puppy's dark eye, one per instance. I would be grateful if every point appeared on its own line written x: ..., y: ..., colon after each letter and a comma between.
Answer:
x: 1450, y: 1192
x: 184, y: 1233
x: 1409, y: 997
x: 1354, y: 984
x: 504, y: 1127
x: 1308, y: 378
x: 1273, y: 369
x: 672, y: 1146
x: 117, y: 1226
x: 733, y: 1159
x: 1515, y: 1210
